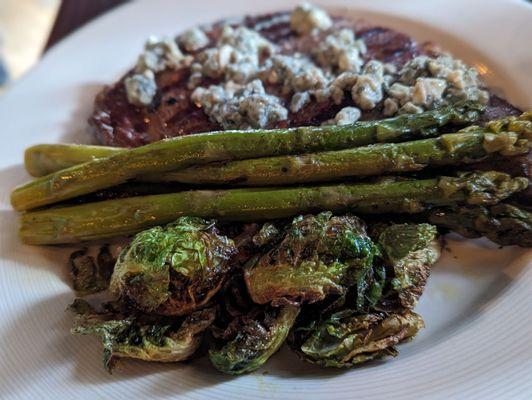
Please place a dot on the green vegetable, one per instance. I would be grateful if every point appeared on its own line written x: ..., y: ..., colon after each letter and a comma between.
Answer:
x: 173, y: 270
x: 488, y: 187
x: 256, y: 340
x: 125, y: 334
x: 43, y: 159
x: 268, y: 233
x: 395, y: 278
x: 126, y: 216
x: 90, y: 276
x: 317, y: 256
x: 502, y: 223
x: 184, y: 151
x: 520, y: 124
x: 448, y: 149
x: 348, y: 338
x: 410, y: 250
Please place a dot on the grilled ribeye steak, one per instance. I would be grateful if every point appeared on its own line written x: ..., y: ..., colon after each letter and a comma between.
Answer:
x: 116, y: 122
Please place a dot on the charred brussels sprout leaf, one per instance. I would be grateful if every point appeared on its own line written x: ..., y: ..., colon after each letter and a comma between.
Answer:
x: 261, y: 333
x: 410, y: 249
x: 90, y: 276
x: 126, y: 335
x: 175, y: 269
x: 348, y: 338
x: 370, y: 281
x: 318, y: 255
x: 84, y: 273
x: 268, y: 233
x: 234, y: 302
x: 106, y: 263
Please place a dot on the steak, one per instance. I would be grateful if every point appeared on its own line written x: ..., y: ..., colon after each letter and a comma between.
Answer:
x: 116, y: 122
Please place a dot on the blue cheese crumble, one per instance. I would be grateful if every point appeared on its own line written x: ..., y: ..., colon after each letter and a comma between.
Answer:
x: 428, y: 91
x: 428, y: 76
x: 340, y: 51
x: 336, y: 70
x: 347, y: 116
x: 295, y: 73
x: 193, y: 39
x: 299, y: 100
x: 235, y: 57
x: 141, y: 88
x: 236, y: 106
x: 367, y: 90
x: 306, y: 19
x: 160, y: 54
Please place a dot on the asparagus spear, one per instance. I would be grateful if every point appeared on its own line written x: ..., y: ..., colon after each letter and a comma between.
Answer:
x: 516, y: 166
x: 129, y: 215
x: 448, y: 149
x: 502, y: 223
x: 43, y: 159
x: 184, y: 151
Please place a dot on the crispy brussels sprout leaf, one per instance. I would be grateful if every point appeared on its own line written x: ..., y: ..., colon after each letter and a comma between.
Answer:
x: 410, y: 249
x: 268, y: 233
x: 89, y: 276
x: 260, y: 335
x: 106, y: 263
x: 317, y: 256
x: 84, y: 273
x: 348, y: 338
x: 234, y: 302
x: 175, y: 269
x: 140, y: 336
x: 370, y: 285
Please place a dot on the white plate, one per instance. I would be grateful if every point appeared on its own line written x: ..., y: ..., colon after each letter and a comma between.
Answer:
x: 477, y: 344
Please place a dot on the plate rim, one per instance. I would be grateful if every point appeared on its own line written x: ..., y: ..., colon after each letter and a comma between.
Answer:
x: 519, y: 291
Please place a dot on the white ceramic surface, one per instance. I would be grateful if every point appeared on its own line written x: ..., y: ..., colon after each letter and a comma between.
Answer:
x: 477, y: 343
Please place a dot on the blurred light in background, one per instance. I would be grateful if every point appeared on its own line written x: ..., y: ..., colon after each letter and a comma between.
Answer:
x: 24, y: 29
